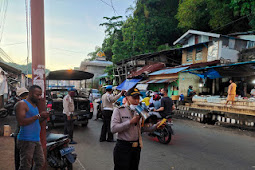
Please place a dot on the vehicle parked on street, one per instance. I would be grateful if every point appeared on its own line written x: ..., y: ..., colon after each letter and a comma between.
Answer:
x: 83, y: 111
x: 8, y: 108
x: 59, y: 153
x: 54, y: 95
x: 95, y: 94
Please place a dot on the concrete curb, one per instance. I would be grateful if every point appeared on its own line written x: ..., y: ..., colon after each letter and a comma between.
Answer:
x: 216, y: 117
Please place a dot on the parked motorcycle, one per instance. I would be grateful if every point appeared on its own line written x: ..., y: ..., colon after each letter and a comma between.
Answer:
x: 99, y: 111
x: 8, y: 108
x: 59, y: 154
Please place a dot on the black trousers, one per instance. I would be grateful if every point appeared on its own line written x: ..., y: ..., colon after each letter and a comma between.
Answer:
x: 68, y: 129
x: 16, y: 154
x: 106, y: 128
x: 126, y: 157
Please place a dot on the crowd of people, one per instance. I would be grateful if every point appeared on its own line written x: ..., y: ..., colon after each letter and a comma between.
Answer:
x: 123, y: 120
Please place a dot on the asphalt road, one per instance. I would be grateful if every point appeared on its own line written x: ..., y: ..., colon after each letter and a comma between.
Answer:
x: 194, y: 146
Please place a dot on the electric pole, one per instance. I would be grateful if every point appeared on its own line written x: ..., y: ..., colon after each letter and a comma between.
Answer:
x: 38, y: 61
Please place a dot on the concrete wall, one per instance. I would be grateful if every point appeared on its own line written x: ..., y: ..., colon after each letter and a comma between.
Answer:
x: 229, y: 54
x: 187, y: 79
x: 97, y: 71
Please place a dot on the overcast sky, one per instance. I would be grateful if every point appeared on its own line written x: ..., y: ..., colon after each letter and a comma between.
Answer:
x: 71, y: 29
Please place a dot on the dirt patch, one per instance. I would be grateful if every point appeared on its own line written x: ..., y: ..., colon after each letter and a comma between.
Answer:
x: 7, y: 153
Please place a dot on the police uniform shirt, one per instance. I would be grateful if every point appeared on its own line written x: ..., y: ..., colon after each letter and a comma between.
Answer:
x: 121, y: 124
x: 68, y: 105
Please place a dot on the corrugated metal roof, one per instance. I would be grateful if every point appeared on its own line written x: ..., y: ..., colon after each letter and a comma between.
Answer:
x: 168, y: 71
x: 147, y: 69
x: 158, y: 81
x: 102, y: 76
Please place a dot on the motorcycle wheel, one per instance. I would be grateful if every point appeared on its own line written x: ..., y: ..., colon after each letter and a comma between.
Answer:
x: 165, y: 137
x: 69, y: 166
x: 3, y: 113
x: 85, y: 124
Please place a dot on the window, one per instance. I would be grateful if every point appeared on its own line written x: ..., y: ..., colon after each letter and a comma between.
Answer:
x: 250, y: 44
x: 199, y: 53
x: 189, y: 55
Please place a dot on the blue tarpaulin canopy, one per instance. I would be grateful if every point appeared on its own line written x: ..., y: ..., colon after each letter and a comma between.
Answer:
x: 128, y: 84
x: 211, y: 74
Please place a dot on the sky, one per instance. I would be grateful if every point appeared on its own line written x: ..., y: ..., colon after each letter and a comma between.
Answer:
x: 71, y: 29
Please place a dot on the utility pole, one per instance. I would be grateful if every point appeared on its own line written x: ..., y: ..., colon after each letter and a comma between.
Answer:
x: 38, y: 61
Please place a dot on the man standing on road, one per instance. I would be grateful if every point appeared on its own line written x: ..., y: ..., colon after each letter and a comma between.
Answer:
x: 167, y: 105
x: 29, y: 135
x: 107, y: 104
x: 68, y: 109
x: 127, y: 123
x: 22, y: 94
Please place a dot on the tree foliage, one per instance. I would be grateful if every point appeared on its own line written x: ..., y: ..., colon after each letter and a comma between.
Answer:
x: 153, y: 25
x: 211, y: 15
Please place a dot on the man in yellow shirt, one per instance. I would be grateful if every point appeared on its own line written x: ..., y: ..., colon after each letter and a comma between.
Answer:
x: 146, y: 100
x: 231, y: 92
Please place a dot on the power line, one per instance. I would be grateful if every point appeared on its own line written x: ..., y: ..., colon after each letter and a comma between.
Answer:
x: 3, y: 21
x: 60, y: 49
x: 110, y: 5
x: 113, y: 8
x: 6, y: 56
x: 232, y: 22
x: 17, y: 43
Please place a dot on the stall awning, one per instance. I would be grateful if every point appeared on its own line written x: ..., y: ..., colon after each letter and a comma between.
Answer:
x: 168, y: 71
x: 242, y: 69
x: 211, y: 74
x: 102, y: 76
x: 69, y: 75
x: 128, y: 84
x: 158, y: 81
x: 142, y: 86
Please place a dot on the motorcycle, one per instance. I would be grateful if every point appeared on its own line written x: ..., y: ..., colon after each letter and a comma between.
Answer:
x: 8, y: 108
x: 59, y: 154
x: 164, y: 135
x: 99, y: 111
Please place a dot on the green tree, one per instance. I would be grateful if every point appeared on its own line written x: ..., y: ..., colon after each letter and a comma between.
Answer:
x: 209, y: 15
x: 93, y: 55
x: 245, y: 8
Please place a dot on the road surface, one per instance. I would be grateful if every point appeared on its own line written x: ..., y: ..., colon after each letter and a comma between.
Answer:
x: 194, y: 146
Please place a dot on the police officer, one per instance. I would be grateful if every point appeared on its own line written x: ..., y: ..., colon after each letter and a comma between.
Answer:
x: 68, y: 109
x: 107, y: 108
x: 127, y: 124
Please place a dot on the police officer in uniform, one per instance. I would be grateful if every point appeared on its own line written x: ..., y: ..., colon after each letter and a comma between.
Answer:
x: 107, y: 104
x: 68, y: 110
x: 127, y: 123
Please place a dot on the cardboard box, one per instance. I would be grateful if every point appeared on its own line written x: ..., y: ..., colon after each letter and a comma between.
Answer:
x: 7, y: 130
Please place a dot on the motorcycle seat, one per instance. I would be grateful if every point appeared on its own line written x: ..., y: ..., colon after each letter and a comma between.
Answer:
x: 55, y: 137
x: 168, y: 116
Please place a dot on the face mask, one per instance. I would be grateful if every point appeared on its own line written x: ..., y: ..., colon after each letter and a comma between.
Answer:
x: 72, y: 94
x: 132, y: 107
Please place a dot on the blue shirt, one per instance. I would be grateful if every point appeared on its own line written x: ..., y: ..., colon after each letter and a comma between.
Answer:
x: 189, y: 91
x: 30, y: 132
x: 120, y: 100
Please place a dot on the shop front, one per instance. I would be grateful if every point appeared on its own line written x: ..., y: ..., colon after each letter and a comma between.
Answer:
x: 213, y: 82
